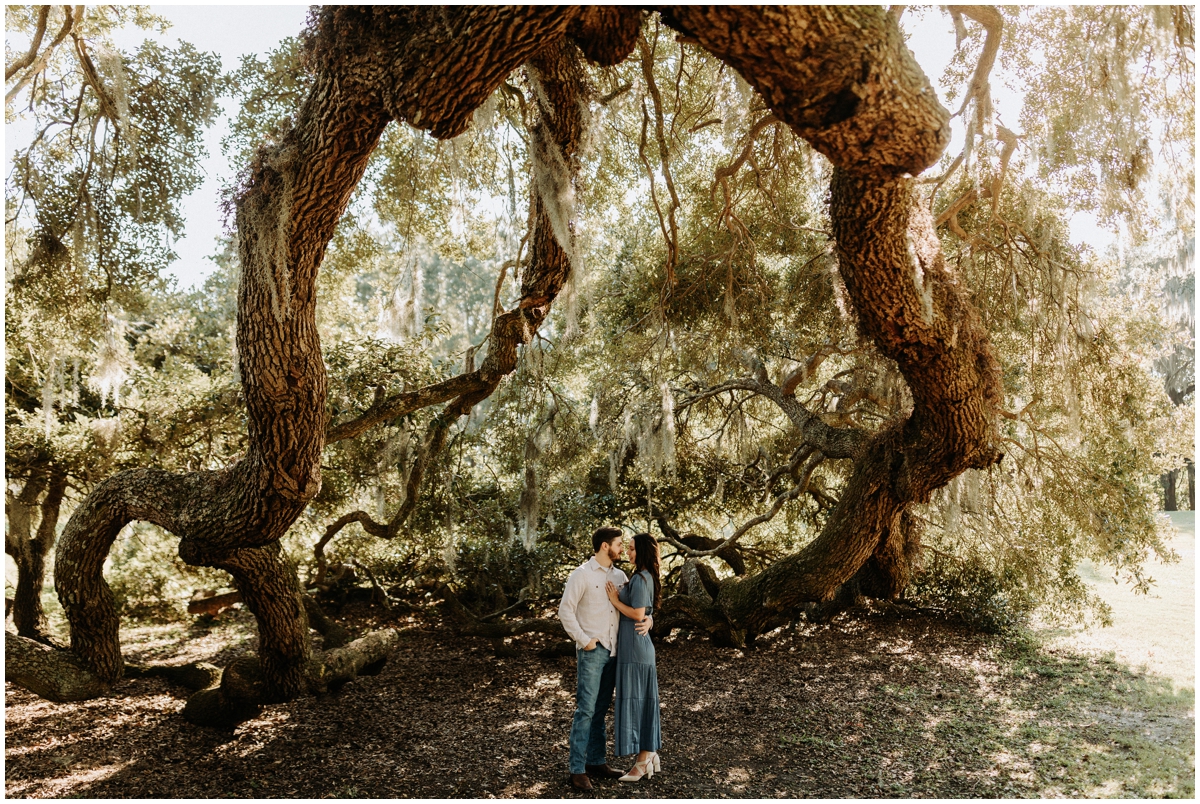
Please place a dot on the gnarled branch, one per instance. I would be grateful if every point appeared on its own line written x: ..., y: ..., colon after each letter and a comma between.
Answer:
x: 814, y: 460
x: 832, y: 441
x: 989, y: 17
x: 671, y: 229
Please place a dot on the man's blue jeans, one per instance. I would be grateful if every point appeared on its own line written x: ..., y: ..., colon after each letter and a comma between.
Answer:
x: 593, y: 697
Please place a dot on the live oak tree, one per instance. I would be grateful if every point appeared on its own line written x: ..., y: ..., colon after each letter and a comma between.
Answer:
x: 292, y: 199
x: 898, y: 317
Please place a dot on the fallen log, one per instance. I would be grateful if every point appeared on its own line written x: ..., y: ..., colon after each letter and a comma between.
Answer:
x: 212, y: 604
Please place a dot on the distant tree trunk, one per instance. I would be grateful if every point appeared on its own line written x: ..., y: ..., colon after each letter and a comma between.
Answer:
x: 1168, y: 482
x: 18, y: 537
x: 29, y: 550
x: 1191, y: 470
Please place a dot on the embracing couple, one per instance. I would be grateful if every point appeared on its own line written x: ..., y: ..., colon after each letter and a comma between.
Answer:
x: 608, y: 616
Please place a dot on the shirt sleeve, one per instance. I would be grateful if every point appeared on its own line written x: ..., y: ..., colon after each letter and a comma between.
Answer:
x: 641, y: 592
x: 566, y: 610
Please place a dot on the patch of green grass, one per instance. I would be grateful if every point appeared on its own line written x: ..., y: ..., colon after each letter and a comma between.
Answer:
x: 1022, y: 722
x: 1106, y: 730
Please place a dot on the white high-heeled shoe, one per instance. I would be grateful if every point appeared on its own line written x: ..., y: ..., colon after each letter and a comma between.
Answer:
x: 647, y: 766
x: 657, y: 764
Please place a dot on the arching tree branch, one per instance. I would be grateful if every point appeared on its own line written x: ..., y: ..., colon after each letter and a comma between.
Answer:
x: 671, y: 230
x: 21, y: 62
x: 832, y: 441
x: 40, y: 64
x: 814, y: 459
x: 979, y: 88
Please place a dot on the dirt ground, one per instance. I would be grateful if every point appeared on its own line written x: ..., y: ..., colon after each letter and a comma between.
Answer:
x: 887, y: 703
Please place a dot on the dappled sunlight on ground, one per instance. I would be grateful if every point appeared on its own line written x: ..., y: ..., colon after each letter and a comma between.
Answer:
x: 883, y: 703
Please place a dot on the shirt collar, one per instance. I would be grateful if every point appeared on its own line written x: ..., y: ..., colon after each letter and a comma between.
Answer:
x: 593, y: 564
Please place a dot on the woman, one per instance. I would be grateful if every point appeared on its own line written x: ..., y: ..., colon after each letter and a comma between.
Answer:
x: 636, y: 722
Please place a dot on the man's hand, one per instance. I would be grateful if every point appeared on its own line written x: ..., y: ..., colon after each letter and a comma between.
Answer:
x: 591, y: 645
x: 644, y: 625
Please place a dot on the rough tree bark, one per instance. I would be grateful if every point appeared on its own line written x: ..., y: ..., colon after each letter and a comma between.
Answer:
x: 29, y: 548
x: 53, y: 674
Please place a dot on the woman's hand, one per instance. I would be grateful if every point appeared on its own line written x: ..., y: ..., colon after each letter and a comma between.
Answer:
x: 611, y: 589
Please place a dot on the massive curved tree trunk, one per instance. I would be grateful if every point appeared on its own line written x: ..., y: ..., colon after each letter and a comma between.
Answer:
x: 852, y: 89
x: 840, y: 77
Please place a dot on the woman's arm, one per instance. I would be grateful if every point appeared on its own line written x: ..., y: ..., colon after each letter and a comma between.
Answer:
x: 633, y: 614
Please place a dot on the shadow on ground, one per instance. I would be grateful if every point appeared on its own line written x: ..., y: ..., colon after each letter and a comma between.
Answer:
x: 889, y: 703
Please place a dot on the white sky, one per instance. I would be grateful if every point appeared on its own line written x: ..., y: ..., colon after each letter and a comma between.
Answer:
x: 232, y: 31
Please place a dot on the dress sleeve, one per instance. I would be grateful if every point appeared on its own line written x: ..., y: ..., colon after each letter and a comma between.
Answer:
x: 641, y: 592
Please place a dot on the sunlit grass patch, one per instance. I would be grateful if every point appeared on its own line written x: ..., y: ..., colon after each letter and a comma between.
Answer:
x: 1016, y: 719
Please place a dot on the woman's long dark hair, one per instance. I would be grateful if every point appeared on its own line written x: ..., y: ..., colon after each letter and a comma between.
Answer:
x: 646, y: 549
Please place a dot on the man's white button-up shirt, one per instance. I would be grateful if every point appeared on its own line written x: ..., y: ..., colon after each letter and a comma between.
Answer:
x: 585, y: 610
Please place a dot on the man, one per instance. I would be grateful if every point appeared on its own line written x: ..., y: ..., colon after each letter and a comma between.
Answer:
x: 590, y: 619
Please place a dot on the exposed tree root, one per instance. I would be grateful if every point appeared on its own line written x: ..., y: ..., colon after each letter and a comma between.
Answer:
x: 193, y: 675
x: 56, y: 675
x: 335, y: 635
x: 212, y: 604
x: 242, y: 690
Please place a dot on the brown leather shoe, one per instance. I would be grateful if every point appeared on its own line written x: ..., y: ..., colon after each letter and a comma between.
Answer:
x: 604, y: 771
x: 580, y: 781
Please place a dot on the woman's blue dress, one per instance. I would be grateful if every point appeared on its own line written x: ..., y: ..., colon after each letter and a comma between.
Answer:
x: 636, y: 710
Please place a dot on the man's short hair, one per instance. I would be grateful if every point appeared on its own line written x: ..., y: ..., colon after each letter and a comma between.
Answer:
x: 605, y: 535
